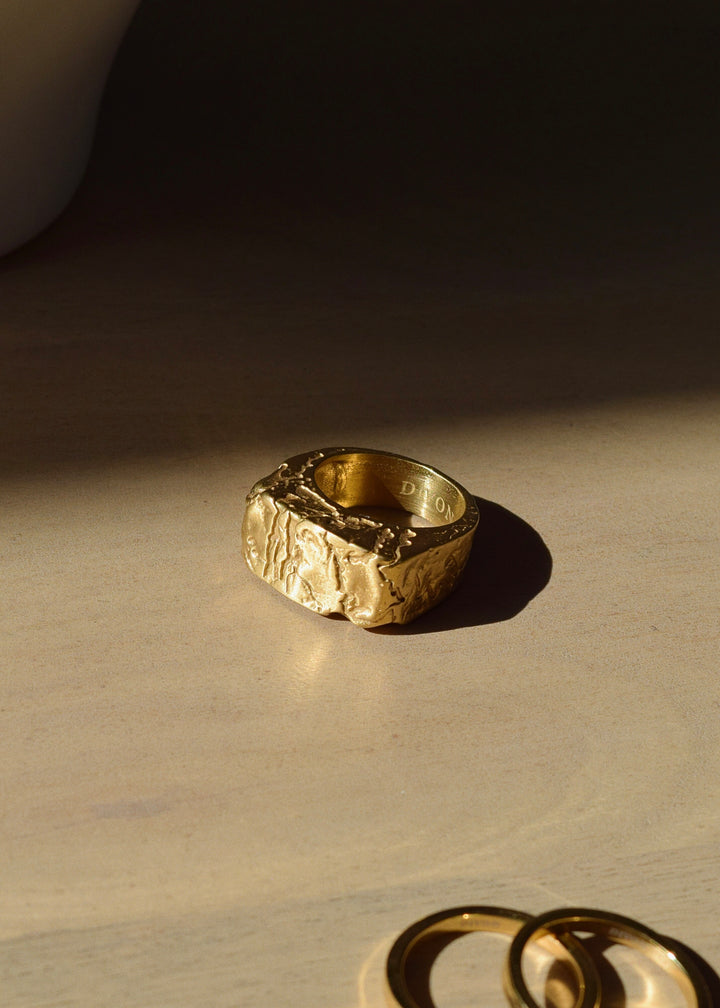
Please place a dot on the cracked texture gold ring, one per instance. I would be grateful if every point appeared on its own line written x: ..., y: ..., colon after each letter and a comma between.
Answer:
x: 376, y: 537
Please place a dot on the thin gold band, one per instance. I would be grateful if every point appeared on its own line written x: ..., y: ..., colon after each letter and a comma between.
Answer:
x: 498, y: 920
x: 665, y: 952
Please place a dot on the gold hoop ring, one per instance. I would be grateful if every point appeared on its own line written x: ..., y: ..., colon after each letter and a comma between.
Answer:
x: 665, y: 952
x: 498, y: 920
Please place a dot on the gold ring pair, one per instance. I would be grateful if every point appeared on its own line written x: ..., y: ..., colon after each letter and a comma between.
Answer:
x: 560, y: 927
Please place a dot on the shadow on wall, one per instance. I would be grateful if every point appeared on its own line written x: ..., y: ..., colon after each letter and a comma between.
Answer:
x: 301, y: 219
x: 390, y: 94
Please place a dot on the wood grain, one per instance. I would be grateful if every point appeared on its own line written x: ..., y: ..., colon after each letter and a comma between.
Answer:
x: 212, y: 796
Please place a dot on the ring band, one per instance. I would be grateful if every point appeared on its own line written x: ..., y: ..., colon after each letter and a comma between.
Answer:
x: 666, y: 953
x: 481, y: 918
x: 332, y: 530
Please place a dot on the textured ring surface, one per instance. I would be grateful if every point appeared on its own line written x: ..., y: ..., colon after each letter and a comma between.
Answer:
x: 331, y: 529
x: 480, y: 918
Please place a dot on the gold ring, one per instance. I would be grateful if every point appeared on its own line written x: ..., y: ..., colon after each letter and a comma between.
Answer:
x: 480, y: 918
x: 666, y: 953
x: 377, y: 537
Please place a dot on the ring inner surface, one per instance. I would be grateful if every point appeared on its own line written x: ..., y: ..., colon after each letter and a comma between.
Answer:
x: 364, y: 482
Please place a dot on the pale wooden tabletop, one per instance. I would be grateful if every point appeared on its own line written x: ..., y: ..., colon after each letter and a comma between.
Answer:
x: 213, y: 797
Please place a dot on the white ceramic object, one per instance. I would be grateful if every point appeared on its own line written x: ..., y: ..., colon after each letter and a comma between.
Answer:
x: 54, y: 61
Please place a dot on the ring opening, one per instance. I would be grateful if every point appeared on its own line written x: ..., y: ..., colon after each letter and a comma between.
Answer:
x: 374, y: 483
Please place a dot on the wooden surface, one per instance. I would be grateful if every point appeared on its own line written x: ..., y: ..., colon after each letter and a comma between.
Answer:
x: 211, y: 796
